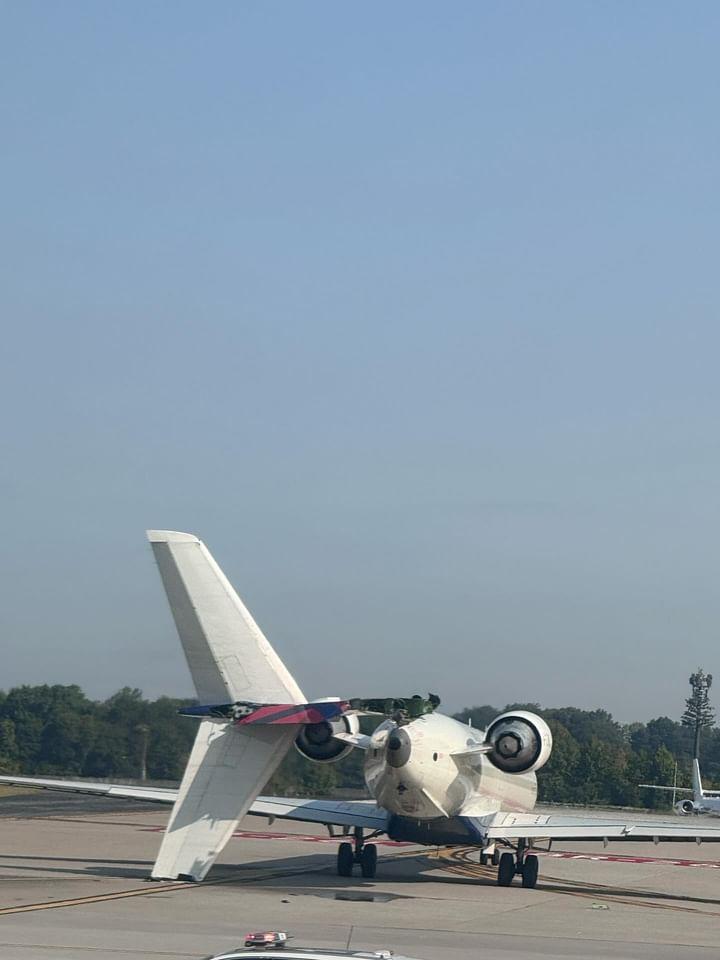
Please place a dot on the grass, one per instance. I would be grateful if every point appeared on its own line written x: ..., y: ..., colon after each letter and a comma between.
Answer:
x: 14, y: 791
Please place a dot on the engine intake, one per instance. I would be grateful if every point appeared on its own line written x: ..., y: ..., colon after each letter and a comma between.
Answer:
x: 685, y: 807
x: 521, y: 741
x: 316, y: 741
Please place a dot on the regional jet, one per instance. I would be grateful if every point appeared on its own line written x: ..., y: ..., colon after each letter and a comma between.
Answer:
x: 703, y: 801
x: 432, y: 779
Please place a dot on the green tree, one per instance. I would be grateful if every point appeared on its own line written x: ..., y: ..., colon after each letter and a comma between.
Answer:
x: 698, y: 712
x: 479, y: 717
x: 558, y: 778
x: 8, y: 746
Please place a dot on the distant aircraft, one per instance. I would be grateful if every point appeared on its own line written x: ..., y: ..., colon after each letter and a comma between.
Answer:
x: 703, y: 801
x: 433, y: 780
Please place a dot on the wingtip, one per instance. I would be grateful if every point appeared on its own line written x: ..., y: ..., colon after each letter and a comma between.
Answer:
x: 171, y: 536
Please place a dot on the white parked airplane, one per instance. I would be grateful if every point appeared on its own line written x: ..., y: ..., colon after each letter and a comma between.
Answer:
x: 703, y: 801
x: 434, y: 780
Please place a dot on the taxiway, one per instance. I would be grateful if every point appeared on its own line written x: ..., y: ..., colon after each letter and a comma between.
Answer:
x: 73, y: 884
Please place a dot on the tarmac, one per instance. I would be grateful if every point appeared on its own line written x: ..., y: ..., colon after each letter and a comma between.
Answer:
x: 73, y: 884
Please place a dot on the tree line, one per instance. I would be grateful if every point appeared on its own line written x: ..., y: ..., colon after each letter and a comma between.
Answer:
x: 58, y: 731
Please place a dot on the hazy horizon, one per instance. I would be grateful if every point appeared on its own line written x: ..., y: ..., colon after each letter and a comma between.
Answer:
x: 409, y: 312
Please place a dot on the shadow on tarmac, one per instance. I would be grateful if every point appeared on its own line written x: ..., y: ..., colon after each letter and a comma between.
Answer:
x: 307, y: 876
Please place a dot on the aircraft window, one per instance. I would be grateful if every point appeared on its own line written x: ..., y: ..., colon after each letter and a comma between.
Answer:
x: 434, y: 756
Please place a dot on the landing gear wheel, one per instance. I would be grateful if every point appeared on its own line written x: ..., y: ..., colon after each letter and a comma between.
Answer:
x: 368, y: 860
x: 495, y: 857
x: 345, y: 860
x: 484, y: 857
x: 530, y: 871
x: 506, y: 870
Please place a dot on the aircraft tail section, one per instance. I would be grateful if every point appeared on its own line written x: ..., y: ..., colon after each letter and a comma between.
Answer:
x: 232, y: 664
x: 227, y: 769
x: 229, y: 657
x: 696, y: 781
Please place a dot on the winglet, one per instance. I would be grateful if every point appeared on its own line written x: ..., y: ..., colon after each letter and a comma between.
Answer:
x: 229, y: 657
x: 170, y: 536
x: 697, y: 781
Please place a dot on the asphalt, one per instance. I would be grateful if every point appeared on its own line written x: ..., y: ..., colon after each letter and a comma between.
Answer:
x: 73, y: 885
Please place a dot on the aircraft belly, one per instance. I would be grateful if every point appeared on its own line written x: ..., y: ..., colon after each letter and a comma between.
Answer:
x: 440, y: 830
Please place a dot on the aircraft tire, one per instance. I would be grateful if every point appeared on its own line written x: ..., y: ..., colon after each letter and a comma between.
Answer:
x: 496, y: 857
x: 368, y: 861
x: 484, y: 859
x: 506, y: 870
x: 345, y: 860
x: 530, y: 871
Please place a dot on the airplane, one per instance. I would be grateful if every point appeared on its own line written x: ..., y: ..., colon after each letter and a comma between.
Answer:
x: 703, y: 801
x: 433, y: 780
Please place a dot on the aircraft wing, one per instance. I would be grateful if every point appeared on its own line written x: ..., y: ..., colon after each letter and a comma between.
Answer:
x: 338, y: 813
x: 654, y: 786
x: 513, y: 826
x: 120, y: 791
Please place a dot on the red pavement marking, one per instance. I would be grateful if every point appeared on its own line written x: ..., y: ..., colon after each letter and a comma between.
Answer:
x: 619, y: 858
x: 558, y: 855
x: 306, y: 837
x: 253, y: 835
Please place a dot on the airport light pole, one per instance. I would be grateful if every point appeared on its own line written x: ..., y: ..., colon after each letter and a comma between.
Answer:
x: 144, y: 731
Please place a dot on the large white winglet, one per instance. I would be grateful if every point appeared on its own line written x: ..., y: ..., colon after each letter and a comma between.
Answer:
x: 228, y: 655
x: 230, y: 660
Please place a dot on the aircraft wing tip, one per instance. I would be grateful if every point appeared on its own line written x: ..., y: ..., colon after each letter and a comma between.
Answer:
x: 171, y: 536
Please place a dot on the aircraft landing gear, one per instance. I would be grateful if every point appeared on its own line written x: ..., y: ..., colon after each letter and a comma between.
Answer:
x: 526, y: 865
x: 368, y: 861
x: 361, y: 852
x: 506, y: 870
x: 529, y: 871
x: 345, y: 860
x: 490, y: 856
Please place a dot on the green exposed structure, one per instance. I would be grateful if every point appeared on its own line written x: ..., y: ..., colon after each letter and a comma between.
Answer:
x: 406, y: 707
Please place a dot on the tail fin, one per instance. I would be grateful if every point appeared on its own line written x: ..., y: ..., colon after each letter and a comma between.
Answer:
x: 696, y: 781
x: 228, y: 656
x: 230, y: 660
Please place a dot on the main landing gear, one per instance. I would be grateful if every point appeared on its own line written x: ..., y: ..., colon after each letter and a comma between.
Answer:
x: 358, y: 852
x: 521, y: 863
x: 490, y: 855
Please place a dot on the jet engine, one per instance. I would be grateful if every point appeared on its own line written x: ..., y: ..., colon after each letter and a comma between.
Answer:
x: 317, y: 742
x: 520, y: 742
x: 685, y: 807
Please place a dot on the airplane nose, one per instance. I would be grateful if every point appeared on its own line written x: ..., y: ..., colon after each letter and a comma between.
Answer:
x: 399, y: 747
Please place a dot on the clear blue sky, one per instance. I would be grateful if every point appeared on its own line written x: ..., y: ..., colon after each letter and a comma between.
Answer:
x: 409, y: 310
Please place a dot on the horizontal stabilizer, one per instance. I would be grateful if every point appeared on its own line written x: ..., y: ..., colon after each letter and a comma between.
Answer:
x: 655, y: 786
x: 269, y: 713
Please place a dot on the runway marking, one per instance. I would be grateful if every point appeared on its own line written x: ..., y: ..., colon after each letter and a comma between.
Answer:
x: 241, y: 834
x: 458, y: 861
x: 158, y: 887
x: 99, y: 898
x: 621, y: 858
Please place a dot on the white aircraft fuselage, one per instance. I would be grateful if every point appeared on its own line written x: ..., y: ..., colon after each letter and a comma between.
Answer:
x: 417, y: 770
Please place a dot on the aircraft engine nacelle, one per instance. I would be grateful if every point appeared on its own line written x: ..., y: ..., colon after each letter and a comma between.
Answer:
x: 685, y: 807
x: 317, y: 742
x: 521, y: 741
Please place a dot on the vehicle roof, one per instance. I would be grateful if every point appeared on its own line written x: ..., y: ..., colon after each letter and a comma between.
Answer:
x: 303, y: 953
